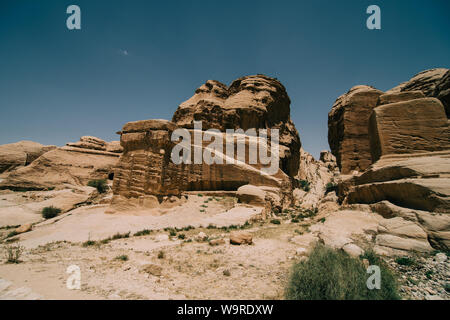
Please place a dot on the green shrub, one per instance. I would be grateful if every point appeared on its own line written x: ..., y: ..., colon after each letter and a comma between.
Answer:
x: 161, y: 254
x: 172, y: 233
x: 50, y: 212
x: 181, y: 236
x: 12, y: 234
x: 144, y: 232
x: 122, y: 257
x: 120, y: 236
x: 305, y: 185
x: 100, y: 185
x: 275, y: 221
x: 329, y: 274
x: 405, y: 261
x: 89, y: 243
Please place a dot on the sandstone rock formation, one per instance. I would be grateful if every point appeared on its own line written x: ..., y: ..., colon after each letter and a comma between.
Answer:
x: 146, y: 168
x: 406, y: 127
x: 316, y: 175
x: 348, y: 130
x: 433, y: 83
x: 409, y: 138
x: 74, y: 164
x: 251, y: 102
x: 20, y: 154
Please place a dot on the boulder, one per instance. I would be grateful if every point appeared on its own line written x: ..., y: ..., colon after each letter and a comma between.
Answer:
x: 413, y: 126
x: 216, y: 242
x: 24, y: 228
x: 352, y: 249
x: 348, y: 133
x: 20, y: 154
x: 239, y: 238
x: 251, y: 195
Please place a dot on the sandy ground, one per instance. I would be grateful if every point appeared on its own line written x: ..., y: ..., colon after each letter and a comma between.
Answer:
x: 190, y: 269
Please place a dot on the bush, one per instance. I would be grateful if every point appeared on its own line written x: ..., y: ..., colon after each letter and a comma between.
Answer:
x: 123, y: 257
x: 100, y: 185
x: 50, y: 212
x: 305, y: 185
x: 405, y: 261
x: 330, y: 187
x: 275, y: 221
x: 161, y: 254
x: 334, y: 275
x: 144, y: 232
x: 13, y: 253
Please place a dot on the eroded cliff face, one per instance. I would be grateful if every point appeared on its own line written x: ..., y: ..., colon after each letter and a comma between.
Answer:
x: 347, y: 128
x: 408, y: 139
x: 146, y: 169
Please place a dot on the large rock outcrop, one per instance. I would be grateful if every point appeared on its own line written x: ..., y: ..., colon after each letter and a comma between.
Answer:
x: 348, y: 130
x: 146, y: 169
x: 433, y: 83
x: 74, y: 164
x: 20, y: 154
x: 251, y: 102
x: 406, y: 127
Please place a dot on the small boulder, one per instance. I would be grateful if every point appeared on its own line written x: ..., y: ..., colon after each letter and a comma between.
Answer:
x: 250, y: 194
x: 239, y: 238
x: 216, y: 242
x: 24, y: 228
x: 440, y: 257
x: 353, y: 250
x: 201, y: 237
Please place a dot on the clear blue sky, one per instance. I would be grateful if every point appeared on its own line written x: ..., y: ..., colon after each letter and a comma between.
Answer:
x: 135, y: 60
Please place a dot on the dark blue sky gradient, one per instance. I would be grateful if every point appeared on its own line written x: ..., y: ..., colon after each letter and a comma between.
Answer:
x: 57, y: 85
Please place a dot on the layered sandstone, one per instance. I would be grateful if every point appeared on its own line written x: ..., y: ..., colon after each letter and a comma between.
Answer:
x: 20, y: 154
x: 146, y: 169
x: 251, y: 102
x: 433, y: 83
x: 348, y: 130
x: 74, y: 164
x: 406, y: 127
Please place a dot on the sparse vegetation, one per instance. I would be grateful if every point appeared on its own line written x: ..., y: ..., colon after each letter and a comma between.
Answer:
x: 181, y: 236
x: 172, y: 233
x: 120, y: 236
x: 122, y: 257
x: 13, y: 253
x: 275, y: 221
x: 161, y: 254
x: 305, y: 185
x: 144, y: 232
x: 89, y: 243
x: 405, y: 261
x: 12, y: 234
x: 100, y: 185
x: 329, y: 274
x: 50, y: 212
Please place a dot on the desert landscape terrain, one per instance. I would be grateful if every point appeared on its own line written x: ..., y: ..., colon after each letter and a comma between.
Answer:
x: 139, y: 226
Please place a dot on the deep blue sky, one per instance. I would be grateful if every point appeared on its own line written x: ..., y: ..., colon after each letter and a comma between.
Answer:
x: 57, y: 85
